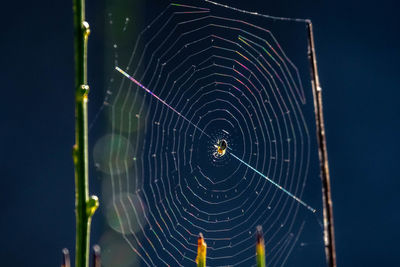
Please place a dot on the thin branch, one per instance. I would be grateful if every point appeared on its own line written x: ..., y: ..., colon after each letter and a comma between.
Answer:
x: 329, y: 235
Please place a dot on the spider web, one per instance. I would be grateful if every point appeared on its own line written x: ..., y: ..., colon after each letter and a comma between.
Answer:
x: 212, y: 73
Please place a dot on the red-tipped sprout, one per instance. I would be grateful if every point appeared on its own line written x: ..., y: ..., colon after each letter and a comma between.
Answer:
x: 260, y: 247
x: 201, y: 251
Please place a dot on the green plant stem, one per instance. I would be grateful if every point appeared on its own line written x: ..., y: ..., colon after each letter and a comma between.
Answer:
x: 85, y: 205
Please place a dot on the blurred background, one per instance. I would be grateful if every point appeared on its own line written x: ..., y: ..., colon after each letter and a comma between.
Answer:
x: 358, y: 53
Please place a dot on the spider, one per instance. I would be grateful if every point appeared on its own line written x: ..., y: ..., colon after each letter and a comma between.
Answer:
x: 221, y: 147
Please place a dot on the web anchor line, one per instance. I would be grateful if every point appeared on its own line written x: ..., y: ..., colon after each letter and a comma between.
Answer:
x: 203, y: 132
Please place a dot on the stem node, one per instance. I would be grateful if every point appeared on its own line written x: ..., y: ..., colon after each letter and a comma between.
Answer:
x: 91, y: 205
x: 86, y: 30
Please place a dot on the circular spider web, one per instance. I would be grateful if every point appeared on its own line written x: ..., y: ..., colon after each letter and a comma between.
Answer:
x: 210, y: 76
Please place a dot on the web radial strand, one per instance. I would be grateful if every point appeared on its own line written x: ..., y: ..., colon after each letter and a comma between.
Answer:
x: 230, y: 79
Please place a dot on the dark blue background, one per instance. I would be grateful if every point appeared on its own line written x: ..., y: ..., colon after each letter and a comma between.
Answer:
x: 358, y: 54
